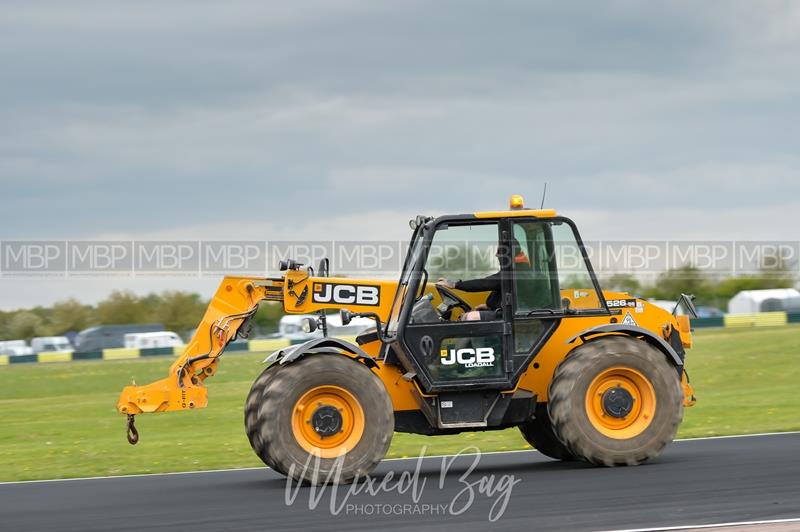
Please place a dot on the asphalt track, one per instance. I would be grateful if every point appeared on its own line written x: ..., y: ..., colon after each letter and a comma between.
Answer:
x: 694, y: 482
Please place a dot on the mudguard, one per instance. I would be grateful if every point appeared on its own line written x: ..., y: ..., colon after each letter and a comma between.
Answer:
x: 316, y: 346
x: 632, y: 330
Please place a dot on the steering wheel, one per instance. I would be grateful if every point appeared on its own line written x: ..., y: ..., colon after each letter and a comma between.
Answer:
x: 454, y: 301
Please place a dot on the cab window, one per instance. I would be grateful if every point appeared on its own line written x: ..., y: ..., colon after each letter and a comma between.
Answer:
x: 461, y: 252
x: 578, y: 292
x: 550, y: 272
x: 466, y: 257
x: 535, y: 279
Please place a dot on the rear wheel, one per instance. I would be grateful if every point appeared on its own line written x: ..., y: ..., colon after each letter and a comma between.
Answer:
x: 615, y: 401
x: 322, y: 416
x: 539, y: 433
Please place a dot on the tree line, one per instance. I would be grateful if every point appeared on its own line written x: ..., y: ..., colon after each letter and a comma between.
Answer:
x: 177, y: 311
x: 181, y: 311
x: 709, y: 290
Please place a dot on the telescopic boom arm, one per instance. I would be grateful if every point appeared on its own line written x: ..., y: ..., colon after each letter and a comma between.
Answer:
x: 227, y: 315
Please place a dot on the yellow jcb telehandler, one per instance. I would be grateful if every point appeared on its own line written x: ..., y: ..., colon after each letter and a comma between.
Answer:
x: 497, y: 320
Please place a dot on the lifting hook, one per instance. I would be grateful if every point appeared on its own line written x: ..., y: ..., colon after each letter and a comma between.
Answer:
x: 133, y: 434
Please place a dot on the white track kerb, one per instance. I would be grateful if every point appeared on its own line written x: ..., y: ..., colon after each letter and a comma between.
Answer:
x: 715, y: 525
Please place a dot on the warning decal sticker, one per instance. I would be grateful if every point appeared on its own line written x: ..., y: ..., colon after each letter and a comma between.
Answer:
x: 628, y: 320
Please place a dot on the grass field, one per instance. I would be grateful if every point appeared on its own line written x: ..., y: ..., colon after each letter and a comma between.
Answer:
x: 58, y: 420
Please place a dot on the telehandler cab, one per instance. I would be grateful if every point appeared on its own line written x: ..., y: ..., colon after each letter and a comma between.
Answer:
x: 585, y: 374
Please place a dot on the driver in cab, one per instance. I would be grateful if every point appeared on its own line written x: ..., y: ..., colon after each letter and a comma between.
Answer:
x: 491, y: 284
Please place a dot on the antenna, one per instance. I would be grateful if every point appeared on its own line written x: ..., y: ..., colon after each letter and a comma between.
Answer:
x: 544, y: 194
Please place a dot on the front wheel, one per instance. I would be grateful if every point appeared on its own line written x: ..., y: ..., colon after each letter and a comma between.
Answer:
x: 252, y: 406
x: 615, y: 401
x: 324, y: 418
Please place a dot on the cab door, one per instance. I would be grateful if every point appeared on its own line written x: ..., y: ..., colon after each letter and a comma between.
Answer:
x: 446, y: 350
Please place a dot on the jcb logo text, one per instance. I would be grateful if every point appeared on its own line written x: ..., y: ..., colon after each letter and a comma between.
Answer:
x: 347, y: 294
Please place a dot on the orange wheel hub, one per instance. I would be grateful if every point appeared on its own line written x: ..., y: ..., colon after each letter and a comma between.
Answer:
x: 327, y: 421
x: 620, y: 403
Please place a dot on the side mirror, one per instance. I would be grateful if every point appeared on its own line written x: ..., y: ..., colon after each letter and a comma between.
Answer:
x: 687, y: 301
x: 289, y: 264
x: 324, y: 267
x: 309, y: 325
x: 346, y: 316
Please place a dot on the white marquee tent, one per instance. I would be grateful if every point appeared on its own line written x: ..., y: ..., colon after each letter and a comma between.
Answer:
x: 770, y: 300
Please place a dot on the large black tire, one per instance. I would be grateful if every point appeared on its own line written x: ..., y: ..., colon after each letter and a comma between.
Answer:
x: 251, y: 407
x: 275, y: 399
x: 598, y: 361
x: 539, y: 433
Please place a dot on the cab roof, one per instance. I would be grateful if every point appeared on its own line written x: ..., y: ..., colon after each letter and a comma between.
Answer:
x: 516, y: 213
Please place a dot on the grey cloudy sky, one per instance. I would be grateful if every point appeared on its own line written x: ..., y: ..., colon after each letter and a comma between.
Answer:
x: 278, y: 120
